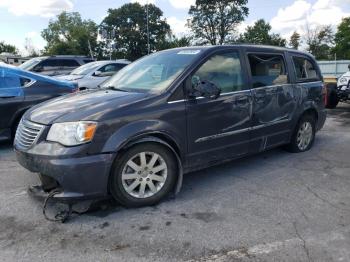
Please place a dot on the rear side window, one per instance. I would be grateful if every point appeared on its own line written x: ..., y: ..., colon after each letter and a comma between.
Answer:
x: 24, y: 81
x: 86, y: 61
x: 224, y: 70
x: 49, y: 63
x: 68, y: 63
x: 267, y: 70
x: 305, y: 69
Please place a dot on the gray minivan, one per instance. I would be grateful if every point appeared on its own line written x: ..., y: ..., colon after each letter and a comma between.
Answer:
x: 55, y: 65
x: 171, y: 113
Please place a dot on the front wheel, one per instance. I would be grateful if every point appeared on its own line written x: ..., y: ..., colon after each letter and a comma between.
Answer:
x: 143, y: 175
x: 304, y: 135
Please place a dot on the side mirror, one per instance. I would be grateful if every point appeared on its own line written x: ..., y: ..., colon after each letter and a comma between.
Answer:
x: 206, y: 89
x: 349, y: 67
x: 98, y: 73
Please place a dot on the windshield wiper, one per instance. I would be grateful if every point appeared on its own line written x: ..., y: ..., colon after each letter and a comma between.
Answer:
x: 114, y: 88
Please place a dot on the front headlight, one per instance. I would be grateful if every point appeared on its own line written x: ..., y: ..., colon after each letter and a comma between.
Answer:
x: 72, y: 133
x: 343, y: 80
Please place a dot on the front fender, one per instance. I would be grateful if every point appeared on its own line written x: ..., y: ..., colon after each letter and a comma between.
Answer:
x: 139, y: 129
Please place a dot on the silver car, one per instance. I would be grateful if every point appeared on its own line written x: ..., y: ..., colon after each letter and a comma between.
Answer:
x: 91, y: 75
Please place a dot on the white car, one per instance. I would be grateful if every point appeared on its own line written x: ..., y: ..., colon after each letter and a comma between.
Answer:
x: 344, y: 81
x: 91, y: 75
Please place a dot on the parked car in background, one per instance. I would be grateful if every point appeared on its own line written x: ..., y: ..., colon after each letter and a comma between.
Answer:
x: 91, y: 75
x: 55, y: 65
x: 20, y: 90
x: 338, y: 92
x: 170, y: 113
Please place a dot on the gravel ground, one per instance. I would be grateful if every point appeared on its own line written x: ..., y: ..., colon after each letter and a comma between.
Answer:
x: 274, y: 206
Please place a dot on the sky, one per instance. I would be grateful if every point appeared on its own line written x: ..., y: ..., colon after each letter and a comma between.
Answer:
x: 20, y: 19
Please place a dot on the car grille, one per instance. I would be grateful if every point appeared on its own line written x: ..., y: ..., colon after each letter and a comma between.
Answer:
x: 27, y: 134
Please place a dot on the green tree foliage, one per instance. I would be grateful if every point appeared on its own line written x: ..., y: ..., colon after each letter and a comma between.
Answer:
x: 342, y: 40
x: 319, y: 42
x: 130, y: 31
x: 213, y: 21
x: 294, y: 41
x: 7, y: 48
x: 260, y: 33
x: 174, y: 42
x: 69, y: 34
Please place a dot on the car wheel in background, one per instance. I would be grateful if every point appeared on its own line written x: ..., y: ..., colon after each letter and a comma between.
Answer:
x: 143, y: 175
x: 333, y: 99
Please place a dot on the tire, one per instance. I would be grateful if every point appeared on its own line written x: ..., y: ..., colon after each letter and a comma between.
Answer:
x: 333, y: 99
x: 14, y: 129
x: 296, y: 145
x: 140, y: 192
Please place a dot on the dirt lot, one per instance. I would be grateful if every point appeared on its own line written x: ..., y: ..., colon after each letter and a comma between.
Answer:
x: 275, y: 206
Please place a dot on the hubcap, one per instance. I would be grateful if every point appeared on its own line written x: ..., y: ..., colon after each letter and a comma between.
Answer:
x: 144, y: 174
x: 304, y: 137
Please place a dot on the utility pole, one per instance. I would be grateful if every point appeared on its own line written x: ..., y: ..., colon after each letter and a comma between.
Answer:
x: 147, y: 19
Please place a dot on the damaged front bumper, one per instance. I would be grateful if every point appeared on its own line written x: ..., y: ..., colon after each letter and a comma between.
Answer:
x: 75, y: 177
x: 343, y: 92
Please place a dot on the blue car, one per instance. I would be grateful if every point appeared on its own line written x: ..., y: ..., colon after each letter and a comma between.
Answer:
x: 20, y: 90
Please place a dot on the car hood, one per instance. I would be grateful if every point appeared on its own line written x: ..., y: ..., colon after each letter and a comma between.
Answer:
x: 87, y: 105
x: 347, y: 74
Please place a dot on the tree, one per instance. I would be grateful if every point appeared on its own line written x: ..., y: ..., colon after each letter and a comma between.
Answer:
x: 259, y: 33
x: 342, y: 40
x: 319, y: 41
x: 30, y: 48
x: 126, y: 26
x: 294, y: 41
x: 69, y: 34
x: 213, y: 21
x: 173, y: 42
x: 7, y: 48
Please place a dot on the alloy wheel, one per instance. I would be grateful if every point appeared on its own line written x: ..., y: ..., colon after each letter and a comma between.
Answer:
x: 144, y: 174
x: 304, y: 136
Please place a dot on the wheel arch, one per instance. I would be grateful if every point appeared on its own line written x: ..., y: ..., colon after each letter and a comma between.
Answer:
x: 164, y: 140
x: 16, y: 118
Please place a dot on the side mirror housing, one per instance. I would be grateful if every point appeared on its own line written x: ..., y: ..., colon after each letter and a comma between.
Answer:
x: 206, y: 89
x: 98, y: 73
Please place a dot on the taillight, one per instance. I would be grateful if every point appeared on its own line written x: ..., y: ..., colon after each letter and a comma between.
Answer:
x: 325, y: 94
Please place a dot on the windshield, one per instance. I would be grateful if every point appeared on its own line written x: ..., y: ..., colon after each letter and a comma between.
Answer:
x: 85, y: 69
x: 153, y: 73
x: 28, y: 65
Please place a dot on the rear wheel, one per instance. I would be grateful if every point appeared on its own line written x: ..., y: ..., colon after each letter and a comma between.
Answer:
x: 304, y: 135
x: 143, y: 175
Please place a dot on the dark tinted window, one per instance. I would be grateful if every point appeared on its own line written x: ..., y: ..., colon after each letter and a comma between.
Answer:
x: 68, y: 63
x: 305, y: 69
x: 224, y: 70
x: 86, y: 61
x: 267, y: 70
x: 47, y: 64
